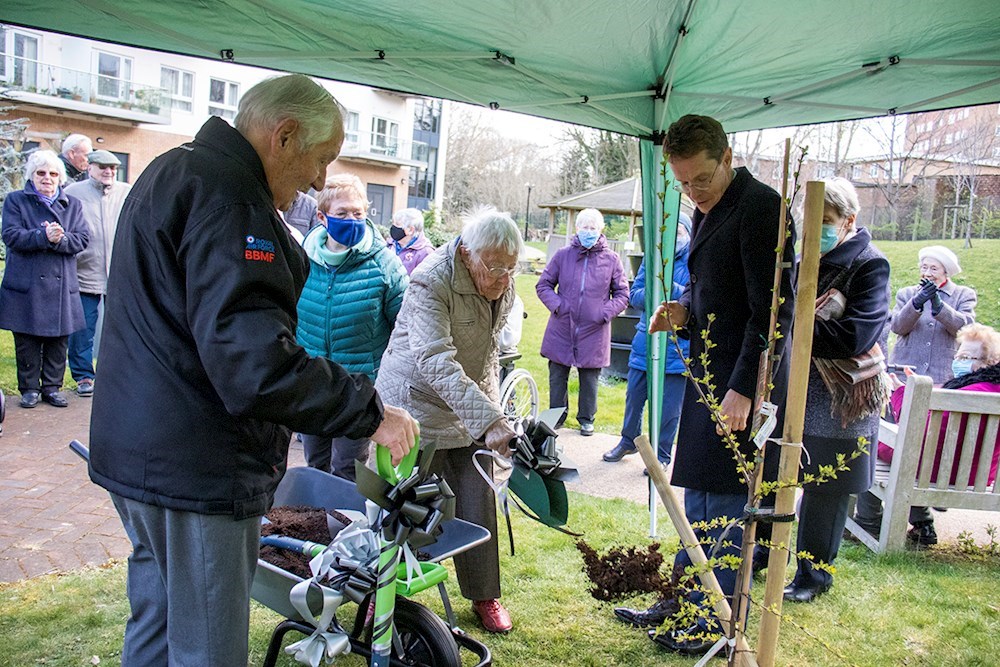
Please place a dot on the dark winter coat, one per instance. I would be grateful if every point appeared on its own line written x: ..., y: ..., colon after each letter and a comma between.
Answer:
x: 583, y: 288
x: 866, y: 289
x: 201, y: 377
x: 40, y: 293
x: 731, y: 264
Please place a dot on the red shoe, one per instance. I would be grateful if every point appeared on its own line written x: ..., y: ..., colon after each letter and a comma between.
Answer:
x: 492, y: 615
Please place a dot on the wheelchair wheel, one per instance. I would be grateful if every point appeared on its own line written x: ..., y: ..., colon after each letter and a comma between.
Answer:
x: 519, y: 396
x: 425, y: 638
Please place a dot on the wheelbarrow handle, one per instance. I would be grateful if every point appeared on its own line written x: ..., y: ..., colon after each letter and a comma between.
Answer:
x: 80, y: 450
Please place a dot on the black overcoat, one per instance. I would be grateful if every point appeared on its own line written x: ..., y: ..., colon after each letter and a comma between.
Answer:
x: 732, y: 272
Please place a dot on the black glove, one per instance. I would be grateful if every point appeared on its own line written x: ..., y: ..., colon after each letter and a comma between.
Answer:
x: 936, y: 303
x: 923, y: 295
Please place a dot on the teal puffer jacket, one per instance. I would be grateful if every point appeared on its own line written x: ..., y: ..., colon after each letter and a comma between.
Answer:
x: 347, y: 312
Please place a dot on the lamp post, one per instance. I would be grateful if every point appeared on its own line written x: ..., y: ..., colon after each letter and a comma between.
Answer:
x: 527, y: 209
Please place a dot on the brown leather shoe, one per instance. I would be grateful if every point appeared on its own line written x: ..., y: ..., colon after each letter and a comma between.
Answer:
x: 492, y: 615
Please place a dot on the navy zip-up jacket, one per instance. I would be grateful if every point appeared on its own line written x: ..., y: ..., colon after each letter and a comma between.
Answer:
x: 200, y: 376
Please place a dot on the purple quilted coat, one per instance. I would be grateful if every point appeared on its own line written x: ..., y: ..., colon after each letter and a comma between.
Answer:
x: 584, y: 289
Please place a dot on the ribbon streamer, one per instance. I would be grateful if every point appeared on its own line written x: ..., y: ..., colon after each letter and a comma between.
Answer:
x: 323, y: 644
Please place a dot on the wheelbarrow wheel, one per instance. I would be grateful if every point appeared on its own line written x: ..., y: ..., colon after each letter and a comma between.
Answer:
x: 425, y: 638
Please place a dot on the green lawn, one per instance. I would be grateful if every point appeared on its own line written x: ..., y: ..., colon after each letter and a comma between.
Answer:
x: 918, y: 609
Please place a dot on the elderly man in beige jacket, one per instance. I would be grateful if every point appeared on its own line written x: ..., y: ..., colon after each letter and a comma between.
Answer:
x: 441, y: 366
x: 102, y: 196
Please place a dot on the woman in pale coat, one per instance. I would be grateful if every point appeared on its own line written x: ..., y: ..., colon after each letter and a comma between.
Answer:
x: 441, y: 365
x: 927, y: 316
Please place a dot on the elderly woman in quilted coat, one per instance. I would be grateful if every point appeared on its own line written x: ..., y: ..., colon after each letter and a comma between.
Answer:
x: 43, y: 230
x: 441, y: 365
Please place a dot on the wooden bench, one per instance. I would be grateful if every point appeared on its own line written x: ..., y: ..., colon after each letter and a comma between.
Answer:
x: 898, y: 485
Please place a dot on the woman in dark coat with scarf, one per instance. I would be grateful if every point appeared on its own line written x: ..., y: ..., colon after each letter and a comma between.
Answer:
x: 584, y: 288
x: 43, y: 230
x: 852, y: 310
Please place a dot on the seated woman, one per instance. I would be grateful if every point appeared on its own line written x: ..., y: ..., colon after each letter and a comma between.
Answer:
x: 976, y: 367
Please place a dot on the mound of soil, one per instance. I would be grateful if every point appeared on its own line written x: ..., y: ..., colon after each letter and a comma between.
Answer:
x: 301, y: 522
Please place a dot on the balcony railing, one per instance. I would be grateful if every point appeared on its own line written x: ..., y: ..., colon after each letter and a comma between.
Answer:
x: 62, y: 87
x: 376, y: 147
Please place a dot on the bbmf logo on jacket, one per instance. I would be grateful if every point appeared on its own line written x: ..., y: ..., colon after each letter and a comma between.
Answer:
x: 259, y: 250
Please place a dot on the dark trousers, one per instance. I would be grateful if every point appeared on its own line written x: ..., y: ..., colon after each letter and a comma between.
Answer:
x: 821, y: 528
x: 869, y: 511
x: 81, y: 343
x: 706, y: 506
x: 335, y: 455
x: 478, y: 569
x: 188, y: 586
x: 670, y: 412
x: 559, y: 394
x: 41, y: 362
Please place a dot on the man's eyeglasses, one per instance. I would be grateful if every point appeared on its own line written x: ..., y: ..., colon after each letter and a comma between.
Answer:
x: 497, y: 272
x: 112, y: 167
x: 699, y: 184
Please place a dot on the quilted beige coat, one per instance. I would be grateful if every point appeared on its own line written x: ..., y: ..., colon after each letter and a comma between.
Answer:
x: 441, y: 362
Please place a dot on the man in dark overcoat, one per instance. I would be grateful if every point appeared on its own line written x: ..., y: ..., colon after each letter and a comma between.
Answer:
x: 732, y: 260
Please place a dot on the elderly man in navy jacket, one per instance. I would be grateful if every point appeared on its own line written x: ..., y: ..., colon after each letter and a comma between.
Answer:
x: 201, y: 377
x: 734, y: 233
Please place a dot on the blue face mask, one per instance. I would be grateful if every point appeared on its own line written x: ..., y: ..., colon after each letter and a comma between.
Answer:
x: 828, y: 239
x: 345, y: 231
x: 960, y: 367
x: 588, y: 237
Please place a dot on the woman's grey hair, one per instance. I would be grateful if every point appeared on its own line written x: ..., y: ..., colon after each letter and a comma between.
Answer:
x: 590, y: 215
x: 409, y: 217
x: 44, y: 159
x: 841, y: 197
x: 485, y: 228
x: 294, y: 96
x: 72, y: 141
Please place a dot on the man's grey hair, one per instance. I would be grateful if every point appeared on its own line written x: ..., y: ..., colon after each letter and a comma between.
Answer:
x: 74, y: 140
x: 39, y: 159
x: 486, y: 228
x: 294, y: 96
x: 409, y: 217
x: 841, y: 196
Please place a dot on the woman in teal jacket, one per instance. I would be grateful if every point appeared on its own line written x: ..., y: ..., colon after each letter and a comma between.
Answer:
x: 349, y: 304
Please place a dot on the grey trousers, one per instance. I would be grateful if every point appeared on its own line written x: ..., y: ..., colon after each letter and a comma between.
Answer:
x: 189, y: 580
x: 335, y: 455
x: 478, y: 569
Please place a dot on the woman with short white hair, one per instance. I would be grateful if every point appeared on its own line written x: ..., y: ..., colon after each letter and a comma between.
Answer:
x: 441, y: 365
x: 43, y: 229
x: 584, y: 288
x: 928, y: 315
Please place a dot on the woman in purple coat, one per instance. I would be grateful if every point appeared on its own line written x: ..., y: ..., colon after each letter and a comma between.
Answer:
x: 40, y: 295
x: 584, y: 288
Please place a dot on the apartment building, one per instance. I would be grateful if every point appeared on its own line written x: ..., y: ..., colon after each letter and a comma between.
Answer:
x: 138, y: 104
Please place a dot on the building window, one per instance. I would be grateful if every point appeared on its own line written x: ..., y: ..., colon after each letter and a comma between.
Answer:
x: 873, y: 170
x: 422, y: 180
x: 18, y: 58
x: 223, y: 97
x: 419, y: 151
x: 179, y: 86
x: 351, y: 135
x: 122, y: 174
x: 385, y: 136
x: 114, y: 76
x: 857, y: 172
x: 427, y: 115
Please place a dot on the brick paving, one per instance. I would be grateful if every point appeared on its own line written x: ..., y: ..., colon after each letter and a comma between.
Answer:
x: 54, y: 519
